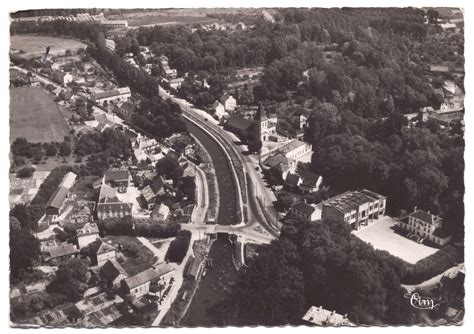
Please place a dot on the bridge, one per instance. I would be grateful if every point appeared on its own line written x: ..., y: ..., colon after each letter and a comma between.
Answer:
x: 249, y: 231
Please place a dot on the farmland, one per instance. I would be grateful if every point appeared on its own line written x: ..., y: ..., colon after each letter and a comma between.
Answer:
x: 35, y: 46
x: 35, y: 116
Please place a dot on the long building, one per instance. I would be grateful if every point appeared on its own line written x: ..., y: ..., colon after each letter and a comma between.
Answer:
x: 55, y: 205
x: 356, y: 208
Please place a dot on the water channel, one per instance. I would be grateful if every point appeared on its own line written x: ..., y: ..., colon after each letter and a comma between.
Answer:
x: 216, y: 284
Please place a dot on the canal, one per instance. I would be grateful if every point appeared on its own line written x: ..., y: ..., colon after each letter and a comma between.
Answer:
x: 215, y: 286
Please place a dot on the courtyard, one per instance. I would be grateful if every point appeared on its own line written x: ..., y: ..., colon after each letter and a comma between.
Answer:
x: 381, y: 235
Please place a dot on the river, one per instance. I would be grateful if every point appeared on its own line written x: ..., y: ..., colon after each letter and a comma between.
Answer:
x: 214, y: 287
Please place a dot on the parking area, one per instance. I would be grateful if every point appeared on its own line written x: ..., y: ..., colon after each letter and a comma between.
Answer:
x: 381, y: 235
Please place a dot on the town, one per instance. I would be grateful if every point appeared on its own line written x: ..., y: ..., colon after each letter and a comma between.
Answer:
x: 167, y: 174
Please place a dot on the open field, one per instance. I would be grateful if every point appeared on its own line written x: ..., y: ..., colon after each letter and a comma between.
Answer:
x: 35, y: 116
x: 35, y: 46
x: 381, y: 235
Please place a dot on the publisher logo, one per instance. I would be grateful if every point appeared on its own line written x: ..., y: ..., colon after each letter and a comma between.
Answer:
x: 423, y: 303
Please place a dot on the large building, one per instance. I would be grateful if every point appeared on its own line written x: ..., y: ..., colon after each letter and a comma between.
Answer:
x: 100, y: 252
x: 112, y: 273
x: 356, y: 208
x: 139, y: 284
x: 239, y: 125
x: 228, y: 102
x: 295, y: 149
x: 425, y: 226
x: 114, y: 95
x: 55, y: 205
x: 267, y: 126
x: 109, y: 206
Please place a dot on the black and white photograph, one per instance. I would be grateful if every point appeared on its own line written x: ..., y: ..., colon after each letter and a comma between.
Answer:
x: 236, y: 166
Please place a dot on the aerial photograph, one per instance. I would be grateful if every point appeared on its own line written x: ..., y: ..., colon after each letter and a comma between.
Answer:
x: 214, y: 167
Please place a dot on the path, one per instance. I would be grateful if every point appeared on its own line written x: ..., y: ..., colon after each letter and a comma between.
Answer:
x: 433, y: 282
x: 159, y: 253
x: 178, y: 276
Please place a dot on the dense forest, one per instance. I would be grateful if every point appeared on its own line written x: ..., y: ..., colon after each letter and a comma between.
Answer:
x: 320, y: 264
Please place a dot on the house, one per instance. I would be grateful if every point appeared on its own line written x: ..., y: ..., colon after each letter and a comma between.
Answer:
x: 112, y: 273
x: 87, y: 234
x: 117, y: 179
x: 239, y: 125
x: 300, y: 121
x: 267, y: 125
x: 125, y: 110
x: 219, y: 110
x: 61, y: 77
x: 55, y: 204
x: 148, y: 196
x: 228, y: 102
x: 310, y: 182
x: 57, y: 254
x: 109, y: 206
x: 54, y: 317
x: 114, y: 95
x: 160, y: 212
x: 321, y: 317
x: 292, y: 182
x: 305, y: 212
x: 176, y: 82
x: 279, y: 165
x: 139, y: 284
x: 189, y: 170
x: 100, y: 252
x: 355, y: 208
x: 426, y: 226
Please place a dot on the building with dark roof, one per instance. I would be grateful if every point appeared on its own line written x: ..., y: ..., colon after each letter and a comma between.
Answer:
x: 112, y: 273
x: 426, y: 226
x: 117, y: 178
x: 194, y: 267
x: 61, y: 77
x: 56, y: 202
x: 100, y: 252
x: 292, y: 182
x: 239, y: 125
x: 60, y: 253
x: 310, y: 182
x: 355, y: 207
x: 305, y: 212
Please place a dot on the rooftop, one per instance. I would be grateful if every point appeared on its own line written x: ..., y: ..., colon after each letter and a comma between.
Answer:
x: 322, y: 317
x: 148, y: 275
x: 351, y: 200
x: 305, y: 208
x: 62, y: 250
x: 89, y: 228
x: 293, y: 145
x: 425, y: 217
x: 239, y: 122
x: 57, y: 199
x: 116, y: 175
x: 100, y: 246
x: 111, y: 269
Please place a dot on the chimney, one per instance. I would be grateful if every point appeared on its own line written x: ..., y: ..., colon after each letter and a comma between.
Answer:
x: 333, y: 312
x: 345, y: 316
x: 415, y: 208
x: 429, y: 212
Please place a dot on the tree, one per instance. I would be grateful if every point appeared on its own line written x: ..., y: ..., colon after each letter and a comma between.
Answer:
x: 25, y: 172
x: 24, y: 248
x: 70, y: 279
x: 178, y: 247
x: 169, y: 167
x: 21, y: 213
x: 65, y: 148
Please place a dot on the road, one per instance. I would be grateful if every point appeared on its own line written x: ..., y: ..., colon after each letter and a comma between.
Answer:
x: 433, y: 282
x: 257, y: 188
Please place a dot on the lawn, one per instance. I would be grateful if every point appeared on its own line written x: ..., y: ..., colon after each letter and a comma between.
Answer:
x: 133, y: 264
x: 34, y: 46
x: 382, y: 236
x: 35, y: 116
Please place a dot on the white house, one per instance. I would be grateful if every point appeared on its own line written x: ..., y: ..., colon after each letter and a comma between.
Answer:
x: 229, y: 102
x: 139, y: 284
x: 219, y: 110
x: 426, y: 226
x: 87, y: 234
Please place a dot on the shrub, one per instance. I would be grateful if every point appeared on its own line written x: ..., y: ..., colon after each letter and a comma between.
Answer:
x: 178, y: 247
x: 25, y: 172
